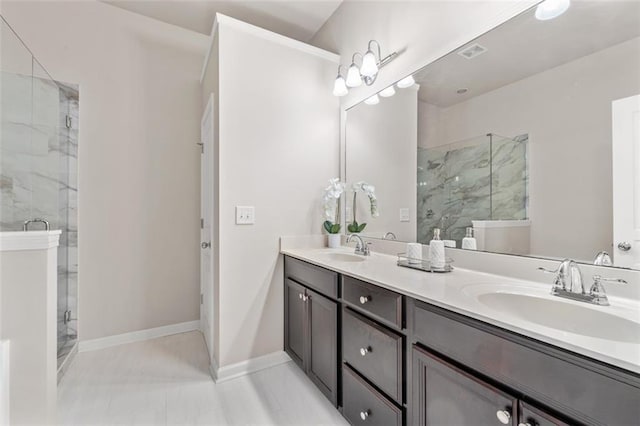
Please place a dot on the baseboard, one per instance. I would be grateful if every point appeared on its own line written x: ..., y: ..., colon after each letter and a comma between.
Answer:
x: 137, y: 336
x: 233, y: 371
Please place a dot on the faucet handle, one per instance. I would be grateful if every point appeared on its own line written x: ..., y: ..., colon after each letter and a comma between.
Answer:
x: 597, y: 289
x: 548, y: 271
x: 598, y: 279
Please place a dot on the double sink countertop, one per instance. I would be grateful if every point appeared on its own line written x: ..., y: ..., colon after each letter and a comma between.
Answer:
x: 610, y: 334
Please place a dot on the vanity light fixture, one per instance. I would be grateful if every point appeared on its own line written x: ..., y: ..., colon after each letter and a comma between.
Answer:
x: 388, y: 92
x: 373, y: 100
x: 354, y: 78
x: 368, y: 70
x: 340, y: 85
x: 406, y: 82
x: 551, y: 9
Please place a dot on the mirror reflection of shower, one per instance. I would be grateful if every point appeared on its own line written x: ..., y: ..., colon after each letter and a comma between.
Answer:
x: 484, y: 178
x: 38, y: 166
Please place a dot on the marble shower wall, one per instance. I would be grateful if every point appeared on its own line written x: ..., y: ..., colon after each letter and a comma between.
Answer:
x: 480, y: 179
x: 38, y: 171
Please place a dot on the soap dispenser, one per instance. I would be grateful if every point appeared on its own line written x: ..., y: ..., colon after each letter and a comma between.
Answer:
x: 436, y: 250
x: 469, y: 242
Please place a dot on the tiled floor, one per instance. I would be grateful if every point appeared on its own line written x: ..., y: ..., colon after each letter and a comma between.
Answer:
x: 165, y: 382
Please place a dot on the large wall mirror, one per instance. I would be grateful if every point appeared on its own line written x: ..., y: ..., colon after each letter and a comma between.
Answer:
x: 529, y: 135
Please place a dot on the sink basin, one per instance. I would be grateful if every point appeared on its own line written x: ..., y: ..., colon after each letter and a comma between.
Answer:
x: 561, y: 315
x: 343, y: 257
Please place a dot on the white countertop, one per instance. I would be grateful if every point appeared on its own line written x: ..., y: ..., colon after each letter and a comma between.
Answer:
x: 457, y: 290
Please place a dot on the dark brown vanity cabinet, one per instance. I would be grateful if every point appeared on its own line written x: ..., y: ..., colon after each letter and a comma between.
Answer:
x: 446, y: 395
x: 311, y: 334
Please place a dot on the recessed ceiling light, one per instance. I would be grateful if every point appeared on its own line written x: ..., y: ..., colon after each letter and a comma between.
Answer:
x: 551, y: 9
x: 462, y: 91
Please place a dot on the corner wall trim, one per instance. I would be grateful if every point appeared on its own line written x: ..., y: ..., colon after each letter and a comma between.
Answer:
x: 137, y: 336
x: 233, y: 371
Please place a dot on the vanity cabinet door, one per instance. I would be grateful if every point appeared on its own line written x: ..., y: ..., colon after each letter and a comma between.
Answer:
x: 323, y: 344
x: 531, y: 416
x: 295, y: 329
x: 446, y: 395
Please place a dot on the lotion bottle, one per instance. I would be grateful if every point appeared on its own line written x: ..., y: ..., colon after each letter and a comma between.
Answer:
x: 469, y: 242
x: 436, y: 250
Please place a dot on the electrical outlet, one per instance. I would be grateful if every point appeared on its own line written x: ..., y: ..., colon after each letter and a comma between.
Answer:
x: 404, y: 215
x: 245, y: 215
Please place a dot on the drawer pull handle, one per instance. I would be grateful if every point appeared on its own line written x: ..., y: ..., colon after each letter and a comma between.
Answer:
x: 300, y: 296
x: 504, y: 416
x: 364, y: 414
x: 365, y: 299
x: 365, y: 351
x: 524, y: 424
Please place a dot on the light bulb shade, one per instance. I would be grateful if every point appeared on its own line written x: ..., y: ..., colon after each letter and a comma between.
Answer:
x: 373, y: 100
x: 354, y: 79
x: 550, y: 9
x: 340, y: 87
x: 389, y: 91
x: 369, y: 66
x: 406, y: 82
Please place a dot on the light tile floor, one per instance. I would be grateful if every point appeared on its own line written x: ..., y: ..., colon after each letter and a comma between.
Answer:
x: 165, y: 381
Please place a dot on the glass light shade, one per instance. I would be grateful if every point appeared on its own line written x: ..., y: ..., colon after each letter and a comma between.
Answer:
x: 340, y: 87
x: 354, y: 79
x: 373, y: 100
x: 550, y: 9
x: 406, y: 82
x: 369, y: 66
x: 389, y: 91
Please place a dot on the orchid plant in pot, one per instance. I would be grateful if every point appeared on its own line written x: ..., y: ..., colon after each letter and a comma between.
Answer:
x: 331, y: 209
x: 370, y: 192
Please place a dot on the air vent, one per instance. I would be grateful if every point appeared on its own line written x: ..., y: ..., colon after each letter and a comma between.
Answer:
x: 472, y: 51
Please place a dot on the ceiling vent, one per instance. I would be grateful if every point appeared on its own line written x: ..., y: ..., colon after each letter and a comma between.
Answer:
x: 472, y: 51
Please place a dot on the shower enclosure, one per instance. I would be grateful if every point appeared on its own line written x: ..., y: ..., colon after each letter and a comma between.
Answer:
x: 38, y: 164
x: 483, y: 178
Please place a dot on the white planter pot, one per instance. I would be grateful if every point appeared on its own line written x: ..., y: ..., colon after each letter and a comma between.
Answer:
x: 333, y: 240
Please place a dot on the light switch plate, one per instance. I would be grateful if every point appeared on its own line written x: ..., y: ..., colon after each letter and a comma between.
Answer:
x: 245, y: 215
x: 404, y: 215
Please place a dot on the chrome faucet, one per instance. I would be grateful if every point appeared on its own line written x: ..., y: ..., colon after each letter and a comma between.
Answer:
x: 391, y: 236
x: 603, y: 259
x: 361, y: 247
x: 568, y: 284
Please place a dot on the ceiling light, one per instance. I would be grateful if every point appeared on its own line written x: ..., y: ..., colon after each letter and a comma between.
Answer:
x: 340, y: 86
x: 354, y: 79
x: 406, y: 82
x: 373, y: 100
x: 389, y: 91
x: 551, y: 9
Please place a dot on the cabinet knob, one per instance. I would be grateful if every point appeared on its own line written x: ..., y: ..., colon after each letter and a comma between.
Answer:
x: 364, y: 351
x: 504, y: 416
x: 365, y: 299
x: 364, y: 414
x: 624, y: 246
x: 300, y: 296
x: 524, y: 424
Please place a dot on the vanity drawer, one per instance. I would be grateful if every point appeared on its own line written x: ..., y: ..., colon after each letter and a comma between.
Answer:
x: 374, y: 351
x: 312, y: 276
x: 585, y: 390
x: 362, y: 404
x: 375, y: 300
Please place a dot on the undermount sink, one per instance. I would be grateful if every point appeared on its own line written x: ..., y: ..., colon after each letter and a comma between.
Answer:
x: 343, y: 257
x: 561, y: 315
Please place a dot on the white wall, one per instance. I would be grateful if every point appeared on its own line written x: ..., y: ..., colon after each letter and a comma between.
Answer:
x: 421, y: 31
x: 567, y: 113
x: 278, y: 146
x: 138, y: 158
x: 381, y: 145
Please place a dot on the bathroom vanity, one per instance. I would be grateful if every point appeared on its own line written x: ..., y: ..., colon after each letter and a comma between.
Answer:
x: 393, y: 346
